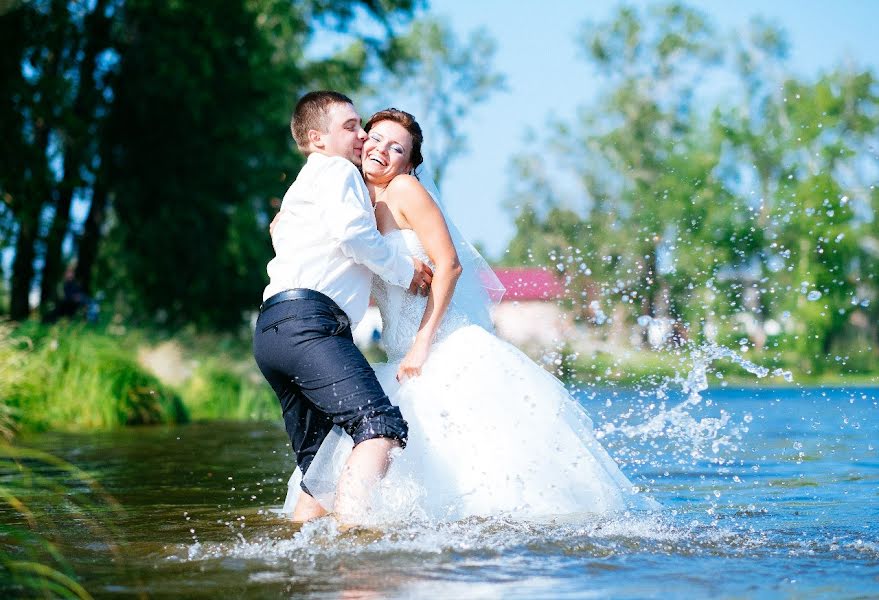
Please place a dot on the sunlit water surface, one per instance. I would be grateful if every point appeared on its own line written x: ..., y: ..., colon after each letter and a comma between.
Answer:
x: 770, y: 492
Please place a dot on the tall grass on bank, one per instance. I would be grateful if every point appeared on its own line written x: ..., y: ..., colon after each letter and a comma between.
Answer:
x: 68, y: 377
x: 11, y: 377
x: 77, y: 377
x: 221, y: 388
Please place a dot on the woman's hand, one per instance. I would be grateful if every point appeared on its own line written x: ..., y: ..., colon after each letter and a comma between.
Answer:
x: 411, y: 364
x: 274, y: 223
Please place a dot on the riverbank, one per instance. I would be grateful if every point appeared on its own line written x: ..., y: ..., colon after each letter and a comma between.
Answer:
x: 640, y: 367
x: 77, y: 377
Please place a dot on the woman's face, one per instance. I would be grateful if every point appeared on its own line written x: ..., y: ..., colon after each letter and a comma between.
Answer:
x: 387, y: 152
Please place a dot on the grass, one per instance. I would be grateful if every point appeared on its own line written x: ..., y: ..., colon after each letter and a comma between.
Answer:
x: 221, y: 388
x: 71, y: 376
x: 648, y: 367
x: 74, y: 377
x: 45, y: 500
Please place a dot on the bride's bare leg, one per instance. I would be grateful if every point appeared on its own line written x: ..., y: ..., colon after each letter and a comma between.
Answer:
x: 307, y: 508
x: 367, y: 464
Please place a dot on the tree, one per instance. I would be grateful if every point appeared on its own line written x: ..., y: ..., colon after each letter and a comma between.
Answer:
x: 38, y: 76
x: 443, y: 79
x: 757, y: 207
x: 77, y: 132
x: 167, y: 123
x: 641, y: 169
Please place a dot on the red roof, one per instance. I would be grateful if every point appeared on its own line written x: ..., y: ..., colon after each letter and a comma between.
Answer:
x: 529, y: 283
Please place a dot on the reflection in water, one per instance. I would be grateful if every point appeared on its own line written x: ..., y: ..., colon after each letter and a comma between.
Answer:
x: 784, y: 505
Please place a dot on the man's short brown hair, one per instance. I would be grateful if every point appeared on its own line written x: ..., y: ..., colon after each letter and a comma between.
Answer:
x: 312, y: 112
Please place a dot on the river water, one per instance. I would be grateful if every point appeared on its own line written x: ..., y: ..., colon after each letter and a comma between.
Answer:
x: 766, y: 492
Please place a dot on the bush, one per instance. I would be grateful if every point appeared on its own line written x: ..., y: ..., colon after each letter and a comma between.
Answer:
x: 71, y: 377
x: 220, y: 390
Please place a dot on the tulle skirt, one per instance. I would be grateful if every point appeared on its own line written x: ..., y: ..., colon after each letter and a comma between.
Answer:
x: 490, y: 434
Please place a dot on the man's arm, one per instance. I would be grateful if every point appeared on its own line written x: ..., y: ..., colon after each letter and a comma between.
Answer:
x: 348, y: 211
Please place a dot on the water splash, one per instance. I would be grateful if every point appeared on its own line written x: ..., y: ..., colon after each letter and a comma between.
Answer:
x: 320, y: 540
x: 687, y: 437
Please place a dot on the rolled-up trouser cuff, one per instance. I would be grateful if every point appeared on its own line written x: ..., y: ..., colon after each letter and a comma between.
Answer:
x: 386, y: 422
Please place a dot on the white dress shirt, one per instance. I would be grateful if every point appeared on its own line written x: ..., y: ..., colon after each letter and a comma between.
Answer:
x: 326, y: 238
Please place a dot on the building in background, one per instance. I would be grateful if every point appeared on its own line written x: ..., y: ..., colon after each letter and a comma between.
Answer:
x: 530, y: 314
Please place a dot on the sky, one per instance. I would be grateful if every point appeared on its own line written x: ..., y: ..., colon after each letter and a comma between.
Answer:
x: 545, y: 77
x: 537, y: 53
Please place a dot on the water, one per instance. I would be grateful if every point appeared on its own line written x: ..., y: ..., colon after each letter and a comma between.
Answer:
x: 769, y: 492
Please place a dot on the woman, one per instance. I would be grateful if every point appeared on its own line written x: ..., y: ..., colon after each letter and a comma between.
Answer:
x: 490, y: 432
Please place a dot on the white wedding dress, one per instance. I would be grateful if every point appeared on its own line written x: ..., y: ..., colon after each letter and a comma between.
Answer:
x: 490, y: 432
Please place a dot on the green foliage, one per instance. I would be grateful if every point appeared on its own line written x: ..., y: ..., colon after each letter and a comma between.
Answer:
x: 753, y: 219
x: 630, y: 368
x: 79, y: 378
x: 440, y: 79
x: 12, y: 375
x: 71, y: 378
x: 221, y: 389
x: 169, y: 120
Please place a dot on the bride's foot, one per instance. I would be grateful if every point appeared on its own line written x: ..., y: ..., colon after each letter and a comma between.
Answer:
x: 352, y: 514
x: 359, y: 479
x: 307, y: 509
x: 360, y: 532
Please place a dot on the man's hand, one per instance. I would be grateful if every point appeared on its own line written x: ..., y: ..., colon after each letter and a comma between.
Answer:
x: 421, y: 281
x: 273, y: 223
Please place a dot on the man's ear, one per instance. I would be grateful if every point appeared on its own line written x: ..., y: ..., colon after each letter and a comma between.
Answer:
x: 315, y: 138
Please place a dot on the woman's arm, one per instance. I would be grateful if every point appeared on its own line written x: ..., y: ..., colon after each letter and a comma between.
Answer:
x: 425, y: 218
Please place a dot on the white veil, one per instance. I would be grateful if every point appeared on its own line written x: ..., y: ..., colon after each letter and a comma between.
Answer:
x: 478, y: 288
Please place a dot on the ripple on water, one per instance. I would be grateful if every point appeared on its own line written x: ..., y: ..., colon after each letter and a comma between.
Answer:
x: 785, y: 506
x: 734, y: 534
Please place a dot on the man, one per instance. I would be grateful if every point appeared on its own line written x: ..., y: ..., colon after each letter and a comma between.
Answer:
x: 73, y: 298
x: 326, y: 249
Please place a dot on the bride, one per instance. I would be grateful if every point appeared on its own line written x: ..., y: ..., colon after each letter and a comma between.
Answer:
x: 490, y: 432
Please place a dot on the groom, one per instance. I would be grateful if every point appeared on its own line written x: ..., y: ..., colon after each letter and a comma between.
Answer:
x: 326, y: 249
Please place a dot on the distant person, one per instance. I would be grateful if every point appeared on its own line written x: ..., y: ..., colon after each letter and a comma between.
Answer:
x: 491, y: 433
x: 327, y: 248
x: 74, y: 299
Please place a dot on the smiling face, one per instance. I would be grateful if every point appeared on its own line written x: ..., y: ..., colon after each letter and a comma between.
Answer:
x: 344, y: 136
x: 387, y: 152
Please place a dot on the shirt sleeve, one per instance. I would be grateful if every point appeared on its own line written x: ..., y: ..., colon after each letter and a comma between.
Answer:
x: 351, y: 222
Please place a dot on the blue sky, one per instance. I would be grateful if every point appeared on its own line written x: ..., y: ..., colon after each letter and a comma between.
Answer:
x: 545, y: 77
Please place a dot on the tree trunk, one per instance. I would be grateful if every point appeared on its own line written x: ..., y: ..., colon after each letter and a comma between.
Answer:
x: 38, y: 186
x: 27, y: 210
x: 76, y: 152
x: 52, y: 267
x: 23, y: 265
x: 91, y: 235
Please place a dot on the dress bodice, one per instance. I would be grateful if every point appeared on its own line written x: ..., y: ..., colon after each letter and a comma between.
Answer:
x: 401, y: 311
